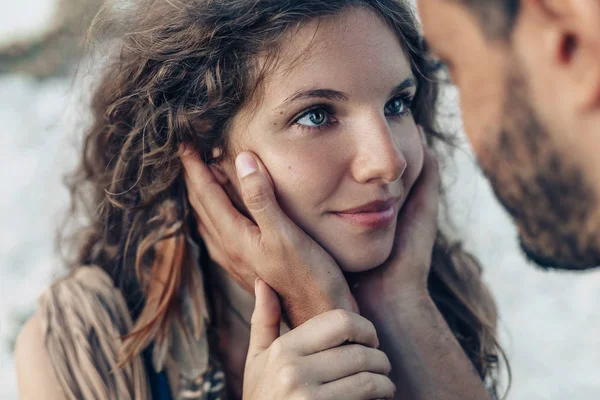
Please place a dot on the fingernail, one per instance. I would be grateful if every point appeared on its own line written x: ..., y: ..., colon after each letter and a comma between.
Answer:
x: 256, y: 284
x: 245, y: 165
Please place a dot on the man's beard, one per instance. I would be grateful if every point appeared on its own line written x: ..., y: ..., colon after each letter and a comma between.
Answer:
x: 544, y: 191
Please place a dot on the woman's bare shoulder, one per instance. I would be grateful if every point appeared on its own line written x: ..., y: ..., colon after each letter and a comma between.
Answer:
x: 71, y: 345
x: 35, y: 373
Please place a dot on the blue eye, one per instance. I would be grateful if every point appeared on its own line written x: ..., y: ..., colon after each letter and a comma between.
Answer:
x: 399, y: 106
x: 314, y: 118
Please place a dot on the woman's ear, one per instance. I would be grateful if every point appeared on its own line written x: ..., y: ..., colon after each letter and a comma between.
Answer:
x: 216, y: 167
x: 219, y: 173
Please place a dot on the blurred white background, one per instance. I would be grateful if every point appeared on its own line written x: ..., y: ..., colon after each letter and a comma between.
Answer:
x: 550, y: 324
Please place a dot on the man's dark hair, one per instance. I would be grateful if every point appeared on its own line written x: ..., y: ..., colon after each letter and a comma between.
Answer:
x: 497, y: 17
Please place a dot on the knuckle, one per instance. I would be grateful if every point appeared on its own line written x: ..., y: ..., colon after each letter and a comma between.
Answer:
x: 366, y: 382
x: 344, y: 319
x: 359, y: 356
x: 277, y: 348
x: 289, y: 376
x: 255, y: 197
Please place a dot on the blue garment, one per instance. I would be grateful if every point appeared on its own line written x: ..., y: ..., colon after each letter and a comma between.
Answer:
x: 159, y: 383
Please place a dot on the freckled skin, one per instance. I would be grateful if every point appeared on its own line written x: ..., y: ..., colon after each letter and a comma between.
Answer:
x: 364, y: 156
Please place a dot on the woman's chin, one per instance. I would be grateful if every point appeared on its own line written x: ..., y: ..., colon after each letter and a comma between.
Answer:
x: 363, y: 261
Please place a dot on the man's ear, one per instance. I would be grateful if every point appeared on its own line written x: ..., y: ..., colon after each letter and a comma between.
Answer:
x: 568, y: 33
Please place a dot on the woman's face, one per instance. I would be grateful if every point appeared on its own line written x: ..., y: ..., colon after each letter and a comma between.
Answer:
x: 334, y: 130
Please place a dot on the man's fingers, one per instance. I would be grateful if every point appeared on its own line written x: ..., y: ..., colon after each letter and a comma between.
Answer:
x: 265, y: 319
x: 202, y: 218
x: 329, y: 330
x: 214, y: 251
x: 258, y: 193
x: 242, y: 275
x: 349, y: 359
x: 428, y: 186
x: 361, y: 386
x: 225, y: 218
x: 419, y: 215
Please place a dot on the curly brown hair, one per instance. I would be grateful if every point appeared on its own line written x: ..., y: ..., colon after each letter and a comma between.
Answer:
x: 181, y: 72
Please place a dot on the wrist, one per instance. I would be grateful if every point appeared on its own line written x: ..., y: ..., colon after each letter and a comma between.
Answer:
x: 386, y: 288
x: 309, y: 299
x: 405, y: 305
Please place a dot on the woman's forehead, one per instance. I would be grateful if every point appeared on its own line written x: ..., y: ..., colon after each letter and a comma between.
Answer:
x: 351, y: 50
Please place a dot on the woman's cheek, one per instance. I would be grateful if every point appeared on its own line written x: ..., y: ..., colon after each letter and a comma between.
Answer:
x: 300, y: 181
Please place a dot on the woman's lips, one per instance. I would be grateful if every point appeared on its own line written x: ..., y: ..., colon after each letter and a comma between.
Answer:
x: 376, y: 215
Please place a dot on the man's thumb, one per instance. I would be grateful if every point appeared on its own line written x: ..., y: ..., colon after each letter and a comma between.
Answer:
x: 265, y: 319
x: 258, y: 192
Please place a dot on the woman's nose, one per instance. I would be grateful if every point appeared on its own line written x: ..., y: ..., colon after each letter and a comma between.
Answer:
x: 379, y: 159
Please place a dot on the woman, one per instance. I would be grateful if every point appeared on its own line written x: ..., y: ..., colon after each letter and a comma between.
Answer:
x: 321, y: 99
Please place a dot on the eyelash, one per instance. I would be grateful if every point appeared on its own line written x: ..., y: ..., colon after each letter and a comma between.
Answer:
x: 329, y: 111
x: 406, y: 98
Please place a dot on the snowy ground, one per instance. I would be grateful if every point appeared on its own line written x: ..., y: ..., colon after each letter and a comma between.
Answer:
x: 550, y: 323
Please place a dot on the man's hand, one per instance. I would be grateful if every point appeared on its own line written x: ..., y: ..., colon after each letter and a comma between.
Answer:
x: 427, y: 361
x: 274, y: 248
x: 406, y: 271
x: 313, y: 361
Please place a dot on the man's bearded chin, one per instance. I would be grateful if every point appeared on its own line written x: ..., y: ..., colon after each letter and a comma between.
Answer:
x: 551, y: 215
x: 547, y: 194
x: 554, y: 262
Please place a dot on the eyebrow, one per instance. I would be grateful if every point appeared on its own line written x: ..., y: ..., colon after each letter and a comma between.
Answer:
x: 407, y: 83
x: 336, y: 95
x: 328, y: 94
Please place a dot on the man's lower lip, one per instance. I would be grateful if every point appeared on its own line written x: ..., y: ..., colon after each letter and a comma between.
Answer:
x: 374, y: 220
